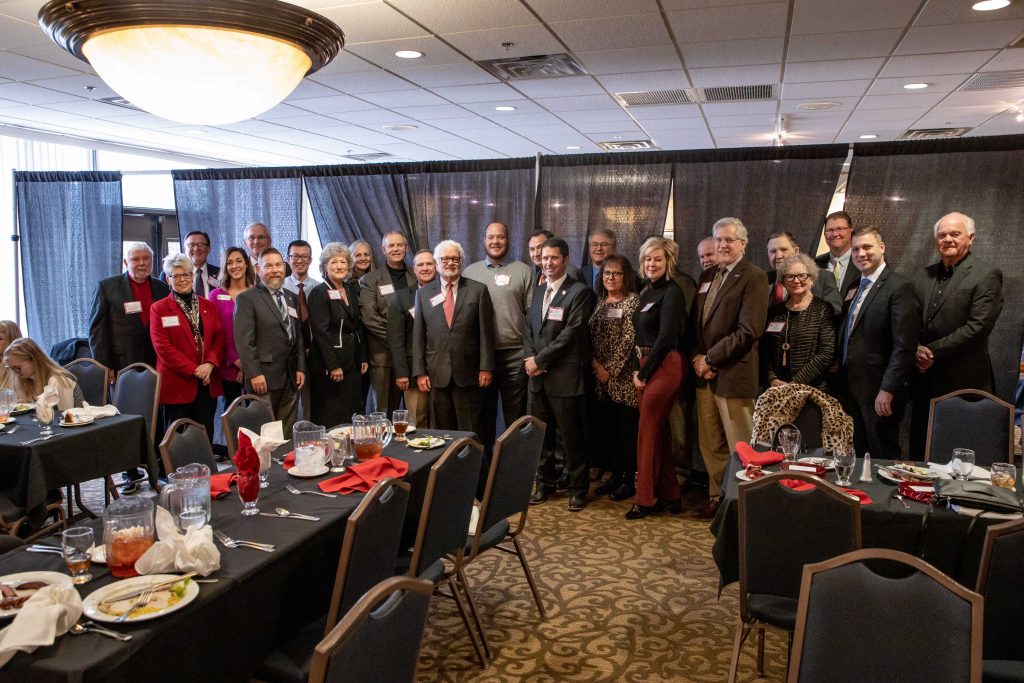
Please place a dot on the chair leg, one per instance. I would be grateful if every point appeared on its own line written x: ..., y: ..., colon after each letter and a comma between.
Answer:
x: 474, y: 611
x: 465, y: 620
x: 742, y: 631
x: 760, y: 650
x: 529, y: 577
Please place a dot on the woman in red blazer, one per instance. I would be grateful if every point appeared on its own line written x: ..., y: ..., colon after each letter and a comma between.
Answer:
x: 189, y: 340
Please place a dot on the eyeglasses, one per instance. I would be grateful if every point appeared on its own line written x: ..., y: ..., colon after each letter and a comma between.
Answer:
x: 600, y: 245
x: 612, y: 273
x: 300, y: 259
x: 182, y: 276
x: 727, y: 240
x: 835, y: 231
x: 450, y: 259
x: 796, y: 277
x: 196, y: 245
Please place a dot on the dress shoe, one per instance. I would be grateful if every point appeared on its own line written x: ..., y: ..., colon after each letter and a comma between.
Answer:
x: 596, y: 473
x: 562, y: 483
x: 709, y: 509
x: 130, y: 487
x: 639, y: 512
x: 577, y: 503
x: 623, y: 492
x: 606, y: 488
x: 540, y: 495
x: 673, y: 507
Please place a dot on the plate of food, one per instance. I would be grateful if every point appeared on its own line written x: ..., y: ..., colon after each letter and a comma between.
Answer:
x: 425, y: 443
x: 69, y: 419
x: 18, y: 588
x: 905, y: 471
x: 9, y: 420
x: 827, y: 463
x: 752, y: 472
x: 22, y: 408
x: 170, y: 594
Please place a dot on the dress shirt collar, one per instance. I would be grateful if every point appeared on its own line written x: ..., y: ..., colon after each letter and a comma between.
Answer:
x: 556, y: 285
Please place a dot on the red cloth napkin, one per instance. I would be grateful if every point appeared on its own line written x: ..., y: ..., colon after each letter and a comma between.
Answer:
x: 926, y: 497
x: 289, y: 461
x: 748, y: 456
x: 362, y: 477
x: 798, y: 485
x: 247, y: 469
x: 220, y: 484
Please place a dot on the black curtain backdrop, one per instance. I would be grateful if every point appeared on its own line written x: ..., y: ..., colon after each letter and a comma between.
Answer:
x: 903, y: 188
x: 768, y: 188
x: 70, y: 226
x: 627, y: 193
x: 222, y: 202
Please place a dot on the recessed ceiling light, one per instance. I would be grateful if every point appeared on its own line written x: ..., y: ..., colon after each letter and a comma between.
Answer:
x: 868, y: 136
x: 505, y: 107
x: 817, y: 106
x: 915, y: 86
x: 399, y: 126
x: 1020, y: 117
x: 989, y: 5
x: 409, y: 54
x: 574, y: 147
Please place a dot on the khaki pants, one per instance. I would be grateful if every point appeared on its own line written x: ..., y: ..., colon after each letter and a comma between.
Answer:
x: 721, y: 422
x: 418, y: 404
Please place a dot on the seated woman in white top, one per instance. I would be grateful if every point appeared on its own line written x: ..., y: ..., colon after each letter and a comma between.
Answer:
x: 32, y: 371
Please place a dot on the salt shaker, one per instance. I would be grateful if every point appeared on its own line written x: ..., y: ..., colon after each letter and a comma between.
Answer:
x: 865, y: 470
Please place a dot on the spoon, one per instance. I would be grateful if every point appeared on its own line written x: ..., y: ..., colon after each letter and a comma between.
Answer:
x: 286, y: 513
x: 88, y: 627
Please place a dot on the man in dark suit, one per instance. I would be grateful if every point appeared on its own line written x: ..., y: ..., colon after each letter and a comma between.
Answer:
x: 197, y: 247
x: 119, y: 324
x: 838, y: 234
x: 400, y: 326
x: 878, y: 336
x: 453, y: 342
x: 536, y: 243
x: 960, y: 298
x: 557, y: 350
x: 727, y: 319
x: 601, y: 244
x: 268, y: 337
x: 782, y: 244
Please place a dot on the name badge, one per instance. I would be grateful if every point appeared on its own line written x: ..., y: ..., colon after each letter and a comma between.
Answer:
x: 223, y: 297
x: 292, y: 312
x: 212, y: 281
x: 437, y: 300
x: 704, y: 288
x: 334, y: 294
x: 502, y: 280
x: 776, y: 327
x: 386, y: 289
x: 132, y: 307
x: 412, y: 312
x: 647, y: 307
x: 556, y: 313
x: 170, y: 321
x: 613, y: 313
x: 849, y: 295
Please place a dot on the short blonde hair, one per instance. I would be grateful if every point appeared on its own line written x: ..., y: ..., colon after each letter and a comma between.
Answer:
x: 668, y: 246
x: 333, y: 250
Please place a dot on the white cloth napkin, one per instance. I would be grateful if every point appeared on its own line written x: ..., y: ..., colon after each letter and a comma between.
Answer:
x: 271, y: 437
x: 46, y: 402
x: 190, y: 552
x: 978, y: 473
x: 93, y: 411
x: 49, y: 613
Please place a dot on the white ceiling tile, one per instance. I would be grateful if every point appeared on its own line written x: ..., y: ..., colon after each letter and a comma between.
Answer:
x: 517, y: 121
x: 853, y: 133
x: 148, y: 121
x: 827, y: 16
x: 765, y: 20
x: 40, y: 92
x: 443, y: 16
x: 733, y: 52
x: 669, y: 125
x: 365, y: 137
x: 825, y: 89
x: 492, y: 92
x: 372, y: 21
x: 991, y: 35
x: 447, y: 75
x: 1006, y: 60
x: 15, y: 34
x: 345, y: 62
x: 848, y: 45
x: 251, y: 127
x: 435, y: 52
x: 618, y: 136
x: 574, y: 117
x: 360, y: 82
x: 488, y: 108
x: 739, y: 108
x: 331, y: 105
x: 843, y: 104
x: 695, y: 139
x: 308, y: 88
x: 281, y: 111
x: 733, y: 75
x: 544, y: 131
x: 760, y: 121
x: 935, y: 65
x: 365, y: 116
x: 558, y: 104
x: 605, y: 127
x: 31, y: 113
x: 1005, y: 124
x: 996, y: 98
x: 308, y: 122
x: 838, y: 70
x: 900, y: 101
x: 425, y: 135
x: 956, y: 117
x: 637, y: 30
x: 436, y: 112
x: 527, y: 40
x: 937, y: 12
x: 657, y: 58
x: 565, y: 86
x: 98, y: 110
x: 403, y: 98
x: 666, y: 111
x: 462, y: 124
x: 49, y: 52
x: 650, y: 80
x: 937, y: 84
x: 567, y: 10
x: 892, y: 114
x: 17, y: 67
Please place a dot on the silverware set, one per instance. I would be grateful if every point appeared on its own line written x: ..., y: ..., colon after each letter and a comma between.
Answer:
x: 232, y: 543
x: 282, y: 513
x: 315, y: 493
x: 142, y: 601
x: 39, y: 438
x: 83, y: 627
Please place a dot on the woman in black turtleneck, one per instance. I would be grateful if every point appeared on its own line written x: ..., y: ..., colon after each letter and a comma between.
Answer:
x: 658, y: 323
x: 189, y: 341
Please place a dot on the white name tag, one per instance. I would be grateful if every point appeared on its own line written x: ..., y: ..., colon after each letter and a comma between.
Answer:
x: 223, y: 297
x: 647, y: 307
x: 132, y: 307
x: 801, y: 468
x: 613, y: 313
x: 334, y: 294
x: 704, y: 288
x: 292, y: 312
x: 437, y: 300
x: 776, y: 327
x: 502, y: 280
x: 556, y: 313
x: 923, y: 489
x: 212, y: 281
x: 386, y: 289
x: 170, y: 321
x: 849, y: 295
x: 412, y: 312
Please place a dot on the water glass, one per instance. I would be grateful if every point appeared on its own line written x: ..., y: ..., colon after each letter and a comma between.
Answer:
x: 789, y: 442
x: 962, y: 463
x: 76, y: 543
x: 400, y: 421
x: 6, y: 404
x: 47, y: 425
x: 845, y: 460
x: 341, y: 452
x: 1004, y: 475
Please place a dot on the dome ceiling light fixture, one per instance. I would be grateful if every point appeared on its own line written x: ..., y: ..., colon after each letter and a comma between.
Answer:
x: 205, y: 62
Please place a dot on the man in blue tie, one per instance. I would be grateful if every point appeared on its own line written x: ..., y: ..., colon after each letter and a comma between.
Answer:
x: 878, y: 341
x: 600, y: 245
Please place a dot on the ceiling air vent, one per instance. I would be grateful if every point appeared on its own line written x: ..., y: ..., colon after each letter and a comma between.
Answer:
x: 933, y: 133
x: 625, y: 145
x: 994, y: 80
x: 119, y: 102
x: 648, y: 98
x: 369, y: 156
x: 536, y: 66
x: 737, y: 93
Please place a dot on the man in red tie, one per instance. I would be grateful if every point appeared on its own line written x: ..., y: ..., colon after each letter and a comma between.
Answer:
x: 453, y: 342
x: 299, y: 283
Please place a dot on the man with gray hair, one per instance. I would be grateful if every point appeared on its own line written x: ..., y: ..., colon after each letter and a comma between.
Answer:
x: 960, y: 298
x: 600, y: 245
x: 119, y: 323
x: 257, y: 238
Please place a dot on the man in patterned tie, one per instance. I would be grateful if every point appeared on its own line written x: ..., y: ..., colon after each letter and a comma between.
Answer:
x: 838, y: 233
x: 197, y: 246
x: 299, y: 283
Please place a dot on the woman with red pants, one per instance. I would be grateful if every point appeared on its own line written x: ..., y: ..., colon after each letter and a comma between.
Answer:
x: 659, y: 324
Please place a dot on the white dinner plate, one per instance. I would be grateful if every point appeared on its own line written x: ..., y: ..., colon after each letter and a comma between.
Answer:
x: 883, y: 473
x: 92, y: 601
x: 22, y: 408
x: 338, y: 432
x: 308, y: 475
x: 98, y: 554
x: 55, y: 578
x: 9, y: 420
x: 827, y: 463
x: 742, y: 475
x: 79, y: 421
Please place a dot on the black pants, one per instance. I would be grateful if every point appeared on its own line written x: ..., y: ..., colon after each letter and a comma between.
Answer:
x: 509, y: 381
x: 872, y: 433
x: 620, y: 452
x: 566, y: 413
x: 455, y: 407
x: 333, y: 403
x: 200, y: 410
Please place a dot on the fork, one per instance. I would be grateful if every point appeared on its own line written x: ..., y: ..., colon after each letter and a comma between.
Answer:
x: 38, y: 438
x: 315, y: 493
x: 900, y: 498
x: 141, y: 602
x: 232, y: 543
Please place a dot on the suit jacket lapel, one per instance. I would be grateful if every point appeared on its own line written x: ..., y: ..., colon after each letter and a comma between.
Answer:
x: 869, y: 297
x: 726, y: 284
x: 268, y: 299
x: 460, y: 298
x: 959, y: 274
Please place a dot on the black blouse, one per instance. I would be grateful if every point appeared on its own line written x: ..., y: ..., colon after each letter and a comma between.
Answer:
x: 811, y: 338
x: 659, y: 322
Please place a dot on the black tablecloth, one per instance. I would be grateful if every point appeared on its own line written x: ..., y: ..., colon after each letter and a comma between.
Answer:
x: 949, y: 541
x: 76, y: 454
x: 232, y: 625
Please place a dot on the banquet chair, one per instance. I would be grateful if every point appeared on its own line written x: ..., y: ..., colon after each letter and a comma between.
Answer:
x: 249, y: 411
x: 379, y: 638
x: 9, y: 543
x: 439, y: 550
x: 91, y: 376
x: 137, y: 392
x: 847, y: 621
x: 781, y: 530
x: 373, y: 533
x: 507, y: 494
x: 13, y: 517
x: 185, y: 442
x: 973, y: 419
x: 999, y: 583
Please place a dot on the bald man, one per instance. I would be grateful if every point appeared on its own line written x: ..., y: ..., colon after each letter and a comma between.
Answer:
x: 706, y: 253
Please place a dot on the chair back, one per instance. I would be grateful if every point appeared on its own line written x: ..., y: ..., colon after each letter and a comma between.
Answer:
x: 808, y: 421
x: 379, y: 638
x: 847, y: 614
x: 511, y: 475
x: 999, y: 582
x: 447, y: 505
x: 249, y: 411
x: 781, y: 530
x: 372, y: 539
x: 185, y: 442
x: 973, y: 419
x: 91, y: 376
x: 137, y: 392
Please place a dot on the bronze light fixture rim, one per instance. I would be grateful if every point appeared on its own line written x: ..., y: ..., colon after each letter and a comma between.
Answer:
x: 70, y: 23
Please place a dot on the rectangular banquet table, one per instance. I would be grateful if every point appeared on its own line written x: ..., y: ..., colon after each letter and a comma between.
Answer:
x: 950, y: 541
x: 233, y: 624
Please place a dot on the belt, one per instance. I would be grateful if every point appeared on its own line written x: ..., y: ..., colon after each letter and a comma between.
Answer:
x: 643, y: 351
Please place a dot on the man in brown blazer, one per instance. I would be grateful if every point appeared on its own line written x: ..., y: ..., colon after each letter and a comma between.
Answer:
x: 727, y: 318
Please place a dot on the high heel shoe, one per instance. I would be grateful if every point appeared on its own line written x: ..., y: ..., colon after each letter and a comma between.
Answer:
x: 639, y: 512
x: 673, y: 507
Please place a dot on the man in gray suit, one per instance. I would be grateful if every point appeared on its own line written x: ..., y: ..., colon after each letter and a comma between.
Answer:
x: 453, y: 342
x: 269, y: 340
x: 782, y: 244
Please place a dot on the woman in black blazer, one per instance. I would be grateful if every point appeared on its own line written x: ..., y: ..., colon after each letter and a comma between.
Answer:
x: 338, y: 354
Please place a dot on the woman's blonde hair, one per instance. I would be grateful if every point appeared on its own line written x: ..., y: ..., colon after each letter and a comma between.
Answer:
x: 670, y: 248
x: 43, y: 366
x: 10, y: 331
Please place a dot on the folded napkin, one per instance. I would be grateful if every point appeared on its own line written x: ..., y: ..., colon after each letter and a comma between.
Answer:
x: 289, y: 461
x: 220, y: 484
x: 190, y: 552
x: 749, y: 456
x: 247, y: 468
x: 798, y: 485
x: 270, y: 438
x: 87, y: 411
x: 978, y: 473
x: 49, y: 613
x: 362, y: 477
x: 46, y: 402
x: 922, y: 492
